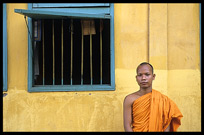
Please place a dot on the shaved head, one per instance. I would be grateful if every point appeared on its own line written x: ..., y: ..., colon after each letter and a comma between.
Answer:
x: 146, y: 63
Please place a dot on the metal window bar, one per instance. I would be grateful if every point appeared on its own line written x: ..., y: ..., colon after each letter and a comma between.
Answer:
x: 62, y: 49
x: 43, y: 44
x: 71, y: 70
x: 91, y: 64
x: 82, y: 53
x: 53, y: 46
x: 101, y: 52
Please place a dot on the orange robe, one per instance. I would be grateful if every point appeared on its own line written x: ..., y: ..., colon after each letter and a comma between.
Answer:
x: 154, y: 112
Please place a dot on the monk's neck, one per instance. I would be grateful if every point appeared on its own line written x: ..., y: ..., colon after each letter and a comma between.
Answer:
x: 145, y: 91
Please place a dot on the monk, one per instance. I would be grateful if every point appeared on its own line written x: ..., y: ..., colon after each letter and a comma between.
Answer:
x: 148, y: 110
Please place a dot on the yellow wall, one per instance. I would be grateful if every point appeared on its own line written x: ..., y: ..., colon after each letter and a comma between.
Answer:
x: 166, y: 35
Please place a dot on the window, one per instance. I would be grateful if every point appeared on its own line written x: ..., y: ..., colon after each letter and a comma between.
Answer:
x: 4, y: 48
x: 71, y: 47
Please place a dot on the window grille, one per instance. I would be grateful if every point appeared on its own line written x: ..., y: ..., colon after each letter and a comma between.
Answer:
x: 70, y: 46
x: 66, y: 55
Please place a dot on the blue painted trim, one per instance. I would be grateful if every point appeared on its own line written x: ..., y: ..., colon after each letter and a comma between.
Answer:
x: 30, y: 54
x: 48, y: 5
x: 112, y: 45
x: 93, y: 10
x: 200, y: 41
x: 5, y: 87
x: 52, y: 88
x: 38, y: 14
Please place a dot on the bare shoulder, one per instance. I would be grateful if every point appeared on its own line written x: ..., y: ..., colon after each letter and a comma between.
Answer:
x: 129, y: 99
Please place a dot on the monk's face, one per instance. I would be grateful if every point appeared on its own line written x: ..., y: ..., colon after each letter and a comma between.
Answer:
x: 145, y: 76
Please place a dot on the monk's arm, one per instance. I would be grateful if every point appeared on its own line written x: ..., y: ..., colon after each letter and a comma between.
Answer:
x: 127, y: 115
x: 168, y: 128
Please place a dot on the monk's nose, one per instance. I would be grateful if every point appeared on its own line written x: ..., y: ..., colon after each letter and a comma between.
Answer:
x: 143, y: 77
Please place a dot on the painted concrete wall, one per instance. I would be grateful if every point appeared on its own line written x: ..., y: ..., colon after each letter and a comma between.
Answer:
x: 166, y: 35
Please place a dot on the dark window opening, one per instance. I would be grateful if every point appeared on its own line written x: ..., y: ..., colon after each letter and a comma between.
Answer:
x: 62, y: 75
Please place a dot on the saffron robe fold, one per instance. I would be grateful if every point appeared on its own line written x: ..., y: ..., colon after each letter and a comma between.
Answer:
x: 154, y: 112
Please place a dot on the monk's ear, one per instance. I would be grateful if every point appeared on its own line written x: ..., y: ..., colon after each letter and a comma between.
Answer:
x: 154, y: 75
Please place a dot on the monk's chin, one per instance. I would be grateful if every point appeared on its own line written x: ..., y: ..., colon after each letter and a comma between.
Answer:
x: 144, y: 87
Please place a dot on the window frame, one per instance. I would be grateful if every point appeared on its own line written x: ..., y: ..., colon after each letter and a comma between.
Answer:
x: 46, y: 88
x: 5, y: 88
